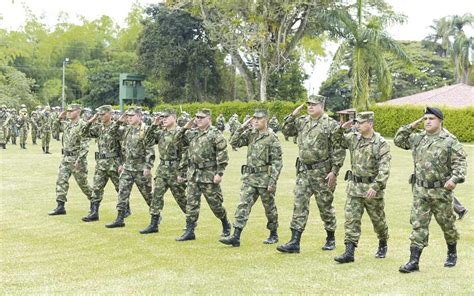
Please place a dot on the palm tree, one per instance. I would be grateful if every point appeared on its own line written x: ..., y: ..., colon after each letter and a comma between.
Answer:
x: 363, y: 48
x: 461, y: 46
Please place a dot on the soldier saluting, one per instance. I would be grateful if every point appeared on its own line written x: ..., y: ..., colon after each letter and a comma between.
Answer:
x: 440, y: 164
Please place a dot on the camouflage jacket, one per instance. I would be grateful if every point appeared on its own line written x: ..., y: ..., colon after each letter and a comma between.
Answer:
x: 108, y: 142
x: 274, y: 125
x: 138, y: 155
x: 207, y: 153
x: 4, y: 119
x: 220, y: 123
x: 264, y: 152
x: 369, y: 158
x: 23, y: 122
x: 75, y: 146
x: 436, y: 157
x: 172, y: 157
x: 318, y: 141
x: 234, y: 124
x: 47, y: 123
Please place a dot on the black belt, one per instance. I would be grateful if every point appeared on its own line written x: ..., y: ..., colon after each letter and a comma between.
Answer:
x: 253, y: 170
x: 312, y: 166
x: 430, y: 184
x: 106, y: 155
x: 203, y: 165
x: 169, y: 162
x: 69, y: 153
x: 365, y: 180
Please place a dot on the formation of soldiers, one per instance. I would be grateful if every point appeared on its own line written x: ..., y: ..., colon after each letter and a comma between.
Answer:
x: 193, y: 158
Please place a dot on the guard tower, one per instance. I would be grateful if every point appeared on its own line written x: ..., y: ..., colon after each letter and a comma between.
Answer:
x: 131, y: 88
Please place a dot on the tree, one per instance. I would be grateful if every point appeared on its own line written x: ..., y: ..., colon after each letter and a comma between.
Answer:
x: 364, y: 45
x: 260, y: 36
x: 174, y: 49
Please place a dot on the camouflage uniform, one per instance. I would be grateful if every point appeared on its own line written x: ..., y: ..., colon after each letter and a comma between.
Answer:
x: 234, y: 124
x: 23, y: 126
x: 437, y: 158
x: 220, y: 123
x: 108, y: 158
x: 34, y: 126
x: 370, y: 168
x: 75, y: 148
x: 208, y: 156
x: 54, y: 116
x: 274, y: 124
x: 4, y: 120
x: 171, y: 165
x: 264, y: 163
x: 138, y: 156
x: 12, y: 128
x: 46, y: 123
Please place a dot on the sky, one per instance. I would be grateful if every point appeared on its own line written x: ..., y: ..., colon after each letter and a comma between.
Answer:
x: 420, y: 13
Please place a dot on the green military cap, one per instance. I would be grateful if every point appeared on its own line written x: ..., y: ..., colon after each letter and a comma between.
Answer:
x: 23, y: 110
x: 3, y: 106
x: 23, y: 106
x: 167, y: 112
x: 73, y: 107
x: 364, y: 116
x: 47, y: 108
x: 316, y: 99
x: 104, y: 109
x: 204, y: 112
x: 134, y: 111
x: 259, y: 113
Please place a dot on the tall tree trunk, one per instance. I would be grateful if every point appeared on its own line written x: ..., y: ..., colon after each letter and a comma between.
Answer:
x: 249, y: 84
x: 263, y: 81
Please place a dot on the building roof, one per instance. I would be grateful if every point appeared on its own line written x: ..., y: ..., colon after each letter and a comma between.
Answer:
x: 454, y: 96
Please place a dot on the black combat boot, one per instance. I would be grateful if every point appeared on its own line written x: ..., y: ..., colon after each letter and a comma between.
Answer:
x: 93, y: 214
x: 330, y: 241
x: 452, y: 256
x: 4, y: 146
x: 47, y: 150
x: 44, y: 150
x: 412, y: 265
x: 128, y: 211
x: 382, y: 250
x: 188, y: 233
x: 233, y: 240
x: 153, y: 227
x: 118, y: 222
x: 293, y: 246
x: 59, y: 210
x: 24, y: 146
x: 272, y: 238
x: 225, y: 227
x: 348, y: 255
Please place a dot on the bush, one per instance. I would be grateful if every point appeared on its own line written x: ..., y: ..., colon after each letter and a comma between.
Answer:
x: 459, y: 122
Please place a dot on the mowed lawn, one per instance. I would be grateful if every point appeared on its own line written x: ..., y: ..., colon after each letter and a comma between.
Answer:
x: 40, y: 254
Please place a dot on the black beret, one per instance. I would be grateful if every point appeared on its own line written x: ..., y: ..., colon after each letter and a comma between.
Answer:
x: 435, y: 111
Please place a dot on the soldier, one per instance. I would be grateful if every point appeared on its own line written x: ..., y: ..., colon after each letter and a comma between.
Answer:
x: 138, y: 159
x: 46, y: 123
x: 440, y: 164
x: 208, y: 159
x: 34, y: 118
x: 319, y: 161
x: 172, y: 164
x: 274, y: 124
x: 234, y: 124
x: 23, y: 126
x: 12, y: 127
x: 54, y: 116
x: 183, y: 119
x: 108, y: 158
x: 220, y: 123
x: 247, y: 117
x: 370, y: 168
x: 4, y: 122
x: 74, y: 161
x: 259, y: 176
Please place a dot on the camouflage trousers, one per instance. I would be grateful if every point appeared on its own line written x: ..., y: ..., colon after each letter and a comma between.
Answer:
x: 126, y: 180
x: 3, y: 135
x: 248, y: 197
x: 34, y: 134
x: 354, y: 210
x: 66, y: 169
x: 45, y: 139
x: 178, y: 190
x: 23, y: 135
x: 12, y: 135
x: 428, y: 202
x: 305, y: 188
x: 212, y: 193
x: 101, y: 177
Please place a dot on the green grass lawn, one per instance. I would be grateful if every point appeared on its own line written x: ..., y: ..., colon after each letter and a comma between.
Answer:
x: 40, y: 254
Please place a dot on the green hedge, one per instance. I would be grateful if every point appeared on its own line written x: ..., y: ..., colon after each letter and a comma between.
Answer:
x: 459, y: 122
